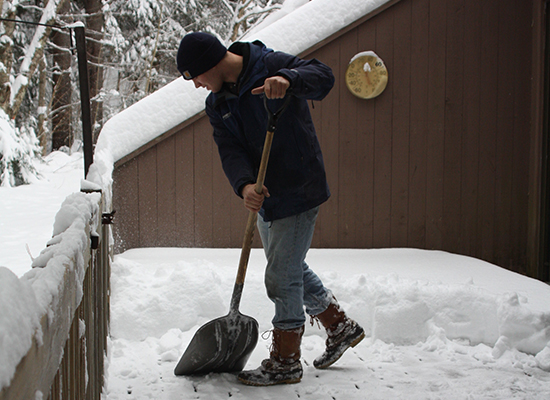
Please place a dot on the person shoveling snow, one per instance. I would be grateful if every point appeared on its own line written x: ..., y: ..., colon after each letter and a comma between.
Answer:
x: 296, y: 180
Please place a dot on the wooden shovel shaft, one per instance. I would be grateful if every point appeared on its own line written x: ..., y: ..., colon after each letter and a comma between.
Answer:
x: 252, y: 217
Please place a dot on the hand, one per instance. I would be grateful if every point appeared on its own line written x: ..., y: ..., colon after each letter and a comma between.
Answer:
x: 274, y: 87
x: 253, y: 201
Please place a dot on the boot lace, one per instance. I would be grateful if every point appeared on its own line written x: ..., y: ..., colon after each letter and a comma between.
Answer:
x: 266, y: 335
x: 313, y: 319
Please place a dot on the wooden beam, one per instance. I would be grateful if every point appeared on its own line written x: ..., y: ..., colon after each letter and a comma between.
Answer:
x: 536, y: 142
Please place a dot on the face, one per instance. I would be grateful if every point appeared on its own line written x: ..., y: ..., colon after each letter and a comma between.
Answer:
x: 211, y: 80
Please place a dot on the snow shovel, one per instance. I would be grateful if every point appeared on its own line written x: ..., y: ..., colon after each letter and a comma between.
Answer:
x: 226, y: 343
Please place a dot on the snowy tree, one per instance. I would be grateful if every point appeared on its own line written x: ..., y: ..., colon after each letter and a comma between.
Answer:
x: 145, y: 36
x: 21, y: 52
x: 13, y: 91
x: 64, y: 114
x: 60, y: 57
x: 40, y: 103
x: 245, y: 14
x: 17, y: 150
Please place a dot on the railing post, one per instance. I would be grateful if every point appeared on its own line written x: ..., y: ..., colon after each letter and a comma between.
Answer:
x: 84, y: 97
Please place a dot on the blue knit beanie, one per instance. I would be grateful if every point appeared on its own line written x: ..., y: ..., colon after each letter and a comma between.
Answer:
x: 199, y: 52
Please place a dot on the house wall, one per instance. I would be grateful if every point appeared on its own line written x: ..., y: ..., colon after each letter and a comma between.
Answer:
x: 440, y: 160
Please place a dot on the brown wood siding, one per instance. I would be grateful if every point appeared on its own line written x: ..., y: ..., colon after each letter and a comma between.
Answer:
x: 440, y: 160
x: 176, y: 194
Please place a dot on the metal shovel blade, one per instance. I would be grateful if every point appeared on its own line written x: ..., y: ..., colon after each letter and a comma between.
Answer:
x: 221, y: 345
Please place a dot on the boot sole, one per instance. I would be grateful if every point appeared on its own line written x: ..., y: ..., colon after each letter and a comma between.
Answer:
x: 287, y: 381
x: 352, y: 344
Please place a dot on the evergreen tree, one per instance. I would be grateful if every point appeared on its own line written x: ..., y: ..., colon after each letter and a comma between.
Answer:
x: 21, y: 51
x: 145, y: 35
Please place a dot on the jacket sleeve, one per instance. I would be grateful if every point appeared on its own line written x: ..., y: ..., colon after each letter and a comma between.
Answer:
x: 309, y: 79
x: 235, y: 160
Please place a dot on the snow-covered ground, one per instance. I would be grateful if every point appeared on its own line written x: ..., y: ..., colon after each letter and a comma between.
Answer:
x: 439, y: 325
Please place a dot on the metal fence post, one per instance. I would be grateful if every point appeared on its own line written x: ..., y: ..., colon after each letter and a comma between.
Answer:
x: 84, y: 97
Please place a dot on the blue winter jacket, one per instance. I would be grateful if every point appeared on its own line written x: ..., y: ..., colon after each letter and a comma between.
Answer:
x: 295, y: 175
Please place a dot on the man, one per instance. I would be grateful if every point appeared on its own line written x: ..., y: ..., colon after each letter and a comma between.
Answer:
x: 295, y: 184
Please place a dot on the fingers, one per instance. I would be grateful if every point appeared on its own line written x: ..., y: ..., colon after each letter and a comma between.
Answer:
x: 274, y: 87
x: 253, y: 201
x: 258, y: 90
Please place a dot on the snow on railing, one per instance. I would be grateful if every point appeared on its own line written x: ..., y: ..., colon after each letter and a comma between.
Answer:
x: 54, y: 320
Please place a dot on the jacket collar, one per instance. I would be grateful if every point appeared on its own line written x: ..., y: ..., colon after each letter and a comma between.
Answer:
x: 253, y: 68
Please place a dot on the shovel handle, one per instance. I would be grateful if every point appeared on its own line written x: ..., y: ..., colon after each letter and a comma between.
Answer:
x: 253, y: 216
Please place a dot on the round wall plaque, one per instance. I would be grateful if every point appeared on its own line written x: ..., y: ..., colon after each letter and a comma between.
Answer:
x: 366, y: 75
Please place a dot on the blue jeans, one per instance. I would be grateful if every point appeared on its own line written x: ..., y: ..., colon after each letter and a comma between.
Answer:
x: 289, y: 281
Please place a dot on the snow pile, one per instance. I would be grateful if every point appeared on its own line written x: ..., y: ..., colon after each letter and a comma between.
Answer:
x: 407, y: 312
x: 391, y: 308
x: 28, y: 211
x: 293, y: 29
x: 26, y: 300
x: 67, y: 247
x: 435, y: 322
x: 19, y: 319
x: 311, y: 23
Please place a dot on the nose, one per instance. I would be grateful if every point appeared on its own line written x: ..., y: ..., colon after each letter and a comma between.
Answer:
x: 197, y: 83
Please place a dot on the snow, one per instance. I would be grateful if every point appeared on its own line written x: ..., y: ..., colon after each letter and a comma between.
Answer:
x: 25, y: 300
x: 17, y: 319
x: 294, y: 33
x: 438, y: 326
x: 35, y: 206
x: 366, y: 67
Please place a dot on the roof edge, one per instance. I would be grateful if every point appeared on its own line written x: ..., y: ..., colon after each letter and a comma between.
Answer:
x: 348, y: 28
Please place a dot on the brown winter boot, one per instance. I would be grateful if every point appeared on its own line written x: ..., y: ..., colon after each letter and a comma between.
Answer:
x: 283, y: 364
x: 342, y: 333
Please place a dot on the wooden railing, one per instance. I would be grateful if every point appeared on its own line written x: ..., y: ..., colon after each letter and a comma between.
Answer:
x: 68, y: 363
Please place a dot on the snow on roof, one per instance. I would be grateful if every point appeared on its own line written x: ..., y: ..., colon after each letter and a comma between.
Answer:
x: 297, y: 26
